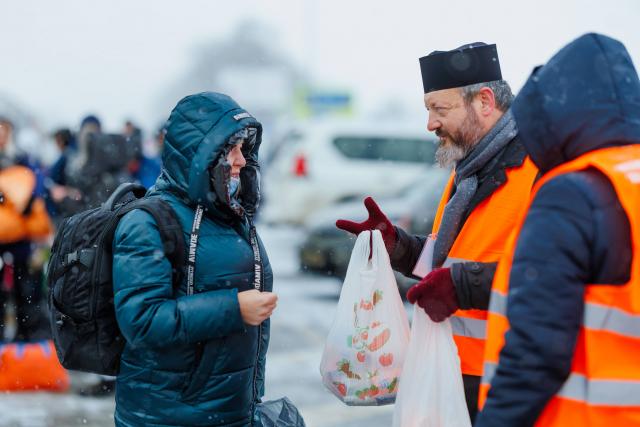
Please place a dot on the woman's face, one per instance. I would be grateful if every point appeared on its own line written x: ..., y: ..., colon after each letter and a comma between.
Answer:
x: 236, y: 159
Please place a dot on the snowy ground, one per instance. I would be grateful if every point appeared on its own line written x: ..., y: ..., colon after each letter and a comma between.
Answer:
x: 299, y: 327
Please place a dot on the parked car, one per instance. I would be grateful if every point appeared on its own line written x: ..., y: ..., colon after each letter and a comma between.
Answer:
x: 327, y: 249
x: 321, y: 163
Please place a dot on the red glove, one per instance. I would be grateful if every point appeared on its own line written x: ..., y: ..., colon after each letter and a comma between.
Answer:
x: 376, y: 221
x: 436, y: 294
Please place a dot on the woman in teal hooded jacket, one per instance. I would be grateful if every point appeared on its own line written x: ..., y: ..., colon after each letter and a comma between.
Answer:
x: 195, y: 353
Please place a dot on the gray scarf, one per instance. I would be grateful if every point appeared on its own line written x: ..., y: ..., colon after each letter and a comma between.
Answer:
x: 466, y: 181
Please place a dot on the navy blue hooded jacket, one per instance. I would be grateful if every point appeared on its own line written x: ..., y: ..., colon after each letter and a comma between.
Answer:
x: 189, y: 360
x: 587, y: 97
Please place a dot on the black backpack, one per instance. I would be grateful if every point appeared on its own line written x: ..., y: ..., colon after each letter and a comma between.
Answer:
x: 83, y: 322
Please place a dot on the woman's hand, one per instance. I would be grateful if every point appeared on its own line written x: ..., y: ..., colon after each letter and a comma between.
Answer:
x: 256, y: 306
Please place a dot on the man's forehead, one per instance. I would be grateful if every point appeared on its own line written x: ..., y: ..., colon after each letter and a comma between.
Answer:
x: 445, y: 96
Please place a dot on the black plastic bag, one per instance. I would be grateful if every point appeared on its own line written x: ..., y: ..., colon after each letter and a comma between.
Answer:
x: 278, y: 413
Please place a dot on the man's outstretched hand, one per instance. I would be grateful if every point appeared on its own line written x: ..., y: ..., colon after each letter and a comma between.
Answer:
x: 376, y: 221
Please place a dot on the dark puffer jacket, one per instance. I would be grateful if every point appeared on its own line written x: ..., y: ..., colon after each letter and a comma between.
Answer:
x: 191, y: 360
x: 586, y: 98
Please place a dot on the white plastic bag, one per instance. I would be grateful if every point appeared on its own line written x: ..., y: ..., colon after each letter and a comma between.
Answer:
x: 431, y: 392
x: 366, y: 345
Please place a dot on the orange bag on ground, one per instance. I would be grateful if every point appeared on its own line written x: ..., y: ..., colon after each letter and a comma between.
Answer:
x: 31, y: 366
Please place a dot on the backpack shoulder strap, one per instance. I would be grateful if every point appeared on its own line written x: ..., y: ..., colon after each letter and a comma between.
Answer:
x: 171, y: 232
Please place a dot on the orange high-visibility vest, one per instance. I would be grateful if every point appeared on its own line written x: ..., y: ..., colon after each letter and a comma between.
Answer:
x: 16, y: 190
x: 604, y: 385
x: 482, y: 239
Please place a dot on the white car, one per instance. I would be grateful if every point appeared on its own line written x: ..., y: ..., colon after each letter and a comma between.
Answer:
x: 319, y: 164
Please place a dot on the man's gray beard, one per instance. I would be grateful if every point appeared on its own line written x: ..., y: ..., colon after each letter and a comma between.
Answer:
x: 449, y: 155
x: 462, y: 142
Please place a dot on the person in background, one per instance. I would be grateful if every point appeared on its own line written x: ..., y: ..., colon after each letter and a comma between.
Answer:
x: 89, y: 127
x: 60, y: 195
x: 133, y: 133
x: 65, y: 142
x: 149, y: 161
x: 99, y: 164
x: 563, y: 344
x: 79, y: 172
x: 468, y: 105
x: 133, y: 136
x: 23, y: 222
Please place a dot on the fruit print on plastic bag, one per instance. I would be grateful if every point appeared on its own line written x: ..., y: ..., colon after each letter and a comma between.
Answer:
x: 365, y: 348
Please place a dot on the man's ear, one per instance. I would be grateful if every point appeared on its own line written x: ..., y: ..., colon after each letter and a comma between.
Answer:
x: 487, y: 101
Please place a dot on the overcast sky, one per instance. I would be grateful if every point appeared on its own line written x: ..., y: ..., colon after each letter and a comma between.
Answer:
x: 64, y: 58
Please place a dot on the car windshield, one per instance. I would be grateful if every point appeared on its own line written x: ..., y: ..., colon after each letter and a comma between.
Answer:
x: 398, y: 149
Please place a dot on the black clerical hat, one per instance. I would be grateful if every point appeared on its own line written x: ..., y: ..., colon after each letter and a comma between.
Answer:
x: 466, y: 65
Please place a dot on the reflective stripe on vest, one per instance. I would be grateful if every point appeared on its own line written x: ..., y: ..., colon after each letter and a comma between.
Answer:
x: 611, y: 319
x: 594, y: 392
x: 466, y: 326
x: 596, y: 317
x: 498, y: 303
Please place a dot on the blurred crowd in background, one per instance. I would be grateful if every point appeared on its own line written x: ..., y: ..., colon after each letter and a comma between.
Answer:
x: 89, y: 163
x: 36, y: 196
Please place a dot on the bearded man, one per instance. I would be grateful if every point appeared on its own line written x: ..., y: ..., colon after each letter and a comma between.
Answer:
x: 468, y: 104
